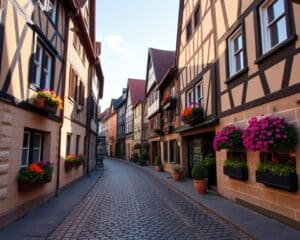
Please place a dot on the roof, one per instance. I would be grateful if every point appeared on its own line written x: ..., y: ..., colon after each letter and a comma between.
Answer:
x: 162, y: 60
x: 137, y: 89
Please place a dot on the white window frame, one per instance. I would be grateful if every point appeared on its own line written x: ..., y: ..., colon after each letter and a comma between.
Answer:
x: 233, y: 54
x: 265, y: 25
x: 42, y: 72
x: 199, y: 99
x: 172, y: 91
x: 26, y: 148
x: 46, y: 5
x: 40, y: 145
x: 189, y: 97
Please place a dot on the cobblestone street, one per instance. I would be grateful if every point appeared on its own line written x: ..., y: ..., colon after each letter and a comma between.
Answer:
x: 127, y: 203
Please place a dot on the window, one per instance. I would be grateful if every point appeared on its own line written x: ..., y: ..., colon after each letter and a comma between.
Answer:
x: 189, y: 31
x: 43, y: 67
x: 236, y: 52
x: 165, y: 146
x: 174, y: 151
x: 50, y: 7
x: 199, y: 94
x: 77, y: 144
x: 32, y: 147
x: 76, y: 41
x: 189, y: 97
x: 197, y: 16
x: 76, y: 89
x: 68, y: 146
x: 172, y: 91
x: 273, y: 24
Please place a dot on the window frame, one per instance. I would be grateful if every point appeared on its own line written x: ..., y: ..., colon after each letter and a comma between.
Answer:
x: 265, y: 38
x: 202, y: 95
x: 191, y: 90
x: 39, y: 67
x: 189, y: 30
x: 197, y: 10
x: 30, y: 146
x: 232, y: 53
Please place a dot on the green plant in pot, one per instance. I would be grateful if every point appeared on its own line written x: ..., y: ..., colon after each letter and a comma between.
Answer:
x: 143, y: 157
x: 177, y: 173
x: 199, y: 174
x: 158, y: 164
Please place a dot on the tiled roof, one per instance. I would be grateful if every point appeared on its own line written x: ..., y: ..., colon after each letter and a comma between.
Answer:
x: 162, y: 60
x: 137, y: 89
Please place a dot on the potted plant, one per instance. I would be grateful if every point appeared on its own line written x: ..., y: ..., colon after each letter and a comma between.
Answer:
x: 193, y: 114
x: 80, y: 159
x: 177, y: 173
x: 70, y: 161
x: 209, y: 162
x: 278, y: 174
x: 143, y: 157
x: 48, y: 101
x: 137, y: 146
x: 35, y: 174
x: 158, y: 164
x: 269, y: 134
x: 200, y: 178
x: 236, y: 168
x: 230, y: 138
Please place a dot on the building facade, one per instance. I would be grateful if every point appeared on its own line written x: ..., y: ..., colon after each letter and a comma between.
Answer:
x: 169, y: 114
x: 158, y: 63
x: 112, y: 126
x: 238, y: 60
x: 121, y: 115
x: 135, y: 92
x: 31, y: 59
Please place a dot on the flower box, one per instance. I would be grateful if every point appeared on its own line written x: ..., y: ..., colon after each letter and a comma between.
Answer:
x: 48, y: 101
x: 34, y: 175
x: 238, y: 173
x: 193, y: 115
x: 289, y: 182
x: 230, y: 138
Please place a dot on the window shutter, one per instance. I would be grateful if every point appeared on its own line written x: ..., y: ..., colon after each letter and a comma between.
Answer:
x: 81, y: 94
x: 71, y: 84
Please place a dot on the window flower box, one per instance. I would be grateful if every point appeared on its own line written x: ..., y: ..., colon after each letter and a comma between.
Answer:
x: 288, y: 182
x: 238, y: 173
x: 48, y: 101
x: 193, y: 114
x: 72, y: 161
x: 278, y: 174
x: 34, y: 175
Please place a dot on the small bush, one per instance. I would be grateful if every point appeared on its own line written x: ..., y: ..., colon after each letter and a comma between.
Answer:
x: 199, y: 171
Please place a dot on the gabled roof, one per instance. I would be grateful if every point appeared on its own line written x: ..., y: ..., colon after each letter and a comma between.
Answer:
x: 137, y: 89
x: 162, y: 60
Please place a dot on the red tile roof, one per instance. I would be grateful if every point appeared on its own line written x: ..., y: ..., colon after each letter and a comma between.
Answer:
x: 162, y: 60
x: 137, y: 89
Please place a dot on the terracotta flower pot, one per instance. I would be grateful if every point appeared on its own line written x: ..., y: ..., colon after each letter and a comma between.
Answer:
x: 200, y: 186
x: 158, y: 168
x: 39, y: 102
x: 177, y: 176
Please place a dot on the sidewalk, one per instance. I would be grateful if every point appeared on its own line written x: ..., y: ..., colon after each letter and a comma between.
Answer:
x: 254, y: 224
x: 43, y: 220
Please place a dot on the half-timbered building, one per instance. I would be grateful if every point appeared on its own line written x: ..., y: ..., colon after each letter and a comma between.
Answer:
x: 158, y: 63
x: 32, y: 49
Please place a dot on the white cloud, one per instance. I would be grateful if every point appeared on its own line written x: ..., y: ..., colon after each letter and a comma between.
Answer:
x: 115, y: 42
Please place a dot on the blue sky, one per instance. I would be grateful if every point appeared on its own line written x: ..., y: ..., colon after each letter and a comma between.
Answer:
x: 126, y: 29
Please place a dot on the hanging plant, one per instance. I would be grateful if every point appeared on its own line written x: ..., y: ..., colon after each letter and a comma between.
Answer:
x: 269, y: 134
x: 229, y: 137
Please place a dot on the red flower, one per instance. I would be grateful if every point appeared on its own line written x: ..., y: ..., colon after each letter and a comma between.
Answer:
x: 35, y: 168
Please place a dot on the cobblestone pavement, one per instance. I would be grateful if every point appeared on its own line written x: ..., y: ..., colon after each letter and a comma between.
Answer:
x: 127, y: 203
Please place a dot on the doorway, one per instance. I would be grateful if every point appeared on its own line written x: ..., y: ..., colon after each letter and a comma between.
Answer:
x: 200, y: 146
